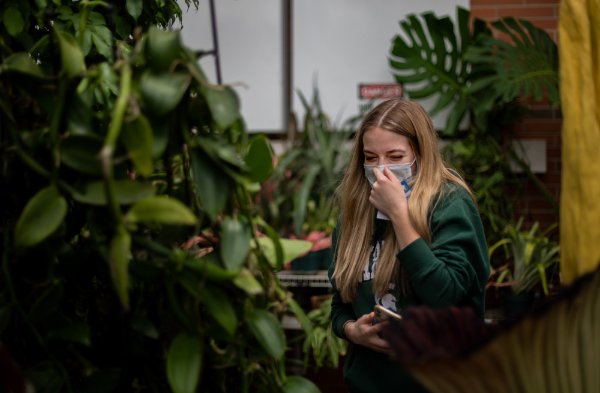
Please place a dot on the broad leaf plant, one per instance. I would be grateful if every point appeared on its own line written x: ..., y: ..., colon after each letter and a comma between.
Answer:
x: 131, y: 256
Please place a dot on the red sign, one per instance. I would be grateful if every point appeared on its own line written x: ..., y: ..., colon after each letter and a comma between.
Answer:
x: 370, y: 91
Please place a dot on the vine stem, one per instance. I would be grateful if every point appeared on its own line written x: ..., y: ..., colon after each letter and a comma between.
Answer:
x: 114, y: 128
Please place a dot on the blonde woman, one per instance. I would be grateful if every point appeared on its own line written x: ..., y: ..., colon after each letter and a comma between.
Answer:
x: 410, y: 234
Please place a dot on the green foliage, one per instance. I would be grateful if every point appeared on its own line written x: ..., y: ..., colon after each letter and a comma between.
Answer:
x: 299, y: 196
x: 321, y: 346
x: 479, y: 80
x: 530, y: 254
x: 131, y: 258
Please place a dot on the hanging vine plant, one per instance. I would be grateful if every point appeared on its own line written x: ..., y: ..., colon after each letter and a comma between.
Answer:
x: 131, y: 259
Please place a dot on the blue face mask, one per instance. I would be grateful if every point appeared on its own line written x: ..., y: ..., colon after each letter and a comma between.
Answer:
x: 403, y: 173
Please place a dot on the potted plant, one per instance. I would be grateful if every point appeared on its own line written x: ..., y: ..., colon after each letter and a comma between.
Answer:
x: 529, y: 256
x: 298, y: 198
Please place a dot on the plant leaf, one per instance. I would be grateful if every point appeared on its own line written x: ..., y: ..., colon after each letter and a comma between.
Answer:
x: 235, y: 242
x: 248, y: 283
x: 137, y: 138
x: 223, y: 103
x: 298, y: 384
x: 161, y: 209
x: 13, y: 21
x: 184, y: 363
x: 82, y: 153
x: 21, y: 63
x: 292, y: 249
x: 162, y: 92
x: 134, y: 8
x: 120, y: 250
x: 259, y: 158
x: 219, y: 306
x: 267, y: 330
x: 42, y: 215
x: 73, y: 63
x: 163, y: 48
x: 126, y: 192
x: 212, y: 186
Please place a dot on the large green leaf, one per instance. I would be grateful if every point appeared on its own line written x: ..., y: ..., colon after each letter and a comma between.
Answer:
x: 235, y: 242
x: 248, y: 283
x: 137, y: 138
x: 82, y: 153
x: 223, y: 103
x: 163, y: 92
x: 218, y: 305
x: 526, y: 66
x: 22, y: 63
x: 120, y: 251
x: 13, y: 21
x: 73, y: 63
x: 268, y: 332
x: 212, y: 186
x: 292, y: 249
x: 161, y: 209
x: 42, y: 215
x: 184, y: 363
x: 298, y: 384
x: 428, y: 60
x: 134, y: 8
x: 126, y: 192
x: 259, y: 158
x: 163, y: 48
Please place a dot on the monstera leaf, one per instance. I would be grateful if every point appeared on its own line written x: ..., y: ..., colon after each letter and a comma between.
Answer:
x: 526, y: 66
x: 428, y: 59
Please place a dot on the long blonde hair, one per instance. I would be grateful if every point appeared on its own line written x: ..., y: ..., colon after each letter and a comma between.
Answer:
x: 406, y: 118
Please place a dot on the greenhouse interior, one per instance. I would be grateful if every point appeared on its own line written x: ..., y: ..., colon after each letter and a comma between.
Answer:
x: 300, y: 196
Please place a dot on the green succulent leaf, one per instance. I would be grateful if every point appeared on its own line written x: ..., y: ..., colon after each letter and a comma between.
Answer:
x: 298, y: 384
x: 161, y: 209
x: 134, y: 8
x: 235, y: 242
x: 126, y: 192
x: 248, y: 283
x: 259, y: 158
x: 137, y: 138
x: 73, y: 62
x: 218, y: 305
x: 163, y: 48
x: 212, y: 186
x: 42, y: 215
x: 120, y: 251
x: 163, y: 92
x: 21, y: 63
x: 77, y: 332
x: 223, y: 103
x: 292, y: 249
x: 268, y: 332
x: 82, y: 153
x: 13, y: 21
x: 184, y: 363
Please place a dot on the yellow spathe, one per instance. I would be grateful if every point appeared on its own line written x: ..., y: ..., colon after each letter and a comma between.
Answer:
x: 579, y: 48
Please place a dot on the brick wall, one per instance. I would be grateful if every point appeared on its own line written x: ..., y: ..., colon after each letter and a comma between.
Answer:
x: 542, y: 121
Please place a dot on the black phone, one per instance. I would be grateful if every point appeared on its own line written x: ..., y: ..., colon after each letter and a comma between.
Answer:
x: 383, y: 314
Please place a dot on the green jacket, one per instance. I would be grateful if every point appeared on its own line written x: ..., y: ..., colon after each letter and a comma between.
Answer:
x: 452, y: 270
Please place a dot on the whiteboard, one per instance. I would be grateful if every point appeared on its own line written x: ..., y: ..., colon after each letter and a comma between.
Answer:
x: 337, y: 44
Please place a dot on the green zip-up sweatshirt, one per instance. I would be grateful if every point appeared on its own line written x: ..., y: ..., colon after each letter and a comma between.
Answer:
x: 452, y: 270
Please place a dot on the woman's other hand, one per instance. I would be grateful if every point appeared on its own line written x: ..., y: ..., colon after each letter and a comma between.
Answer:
x: 363, y: 332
